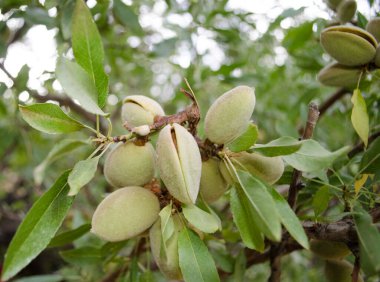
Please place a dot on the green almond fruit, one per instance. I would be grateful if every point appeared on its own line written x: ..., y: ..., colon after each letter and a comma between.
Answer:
x: 346, y: 10
x: 125, y: 213
x: 377, y: 57
x: 228, y: 117
x: 350, y: 46
x: 212, y: 185
x: 269, y: 169
x: 228, y: 176
x: 339, y: 75
x: 339, y: 271
x: 373, y: 27
x: 140, y: 110
x: 329, y: 249
x: 179, y: 162
x: 129, y: 164
x: 333, y: 4
x: 167, y: 262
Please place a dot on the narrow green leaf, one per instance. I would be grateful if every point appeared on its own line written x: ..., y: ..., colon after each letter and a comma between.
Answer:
x: 127, y: 17
x: 49, y: 118
x: 369, y: 241
x: 201, y: 219
x: 133, y: 275
x: 81, y: 174
x: 39, y: 226
x: 321, y: 200
x: 195, y: 261
x: 63, y: 147
x: 289, y: 219
x: 370, y: 162
x: 78, y: 85
x: 243, y: 217
x: 240, y: 267
x: 82, y: 256
x: 69, y: 236
x: 280, y: 147
x: 262, y: 203
x: 167, y: 227
x: 312, y: 156
x: 88, y: 49
x: 246, y: 140
x: 359, y: 116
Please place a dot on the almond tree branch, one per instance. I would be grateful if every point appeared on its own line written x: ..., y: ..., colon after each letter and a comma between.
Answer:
x: 341, y: 92
x: 360, y: 147
x: 276, y: 250
x: 343, y: 230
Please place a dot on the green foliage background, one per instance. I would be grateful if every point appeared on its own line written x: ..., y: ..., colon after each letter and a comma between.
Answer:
x: 281, y: 63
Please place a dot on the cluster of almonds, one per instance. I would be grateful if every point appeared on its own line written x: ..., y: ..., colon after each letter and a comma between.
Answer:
x: 135, y: 206
x: 336, y: 268
x: 356, y: 50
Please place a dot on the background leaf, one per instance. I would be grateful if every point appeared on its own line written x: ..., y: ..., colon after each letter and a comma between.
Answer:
x: 359, y: 116
x: 49, y: 118
x: 195, y: 261
x: 82, y: 256
x: 369, y: 241
x: 312, y: 156
x: 370, y: 162
x: 60, y: 149
x: 81, y: 174
x: 88, y: 49
x: 279, y: 147
x: 39, y: 226
x: 321, y: 200
x: 78, y: 85
x: 127, y: 17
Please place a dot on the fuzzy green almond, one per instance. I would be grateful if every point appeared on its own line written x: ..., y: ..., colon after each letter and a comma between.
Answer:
x: 339, y: 75
x: 125, y: 213
x: 339, y: 271
x: 373, y: 27
x: 140, y: 110
x: 168, y: 262
x: 346, y: 10
x: 333, y: 4
x: 129, y: 164
x: 212, y: 185
x: 350, y: 46
x: 269, y: 169
x: 329, y: 249
x: 228, y: 117
x: 179, y: 162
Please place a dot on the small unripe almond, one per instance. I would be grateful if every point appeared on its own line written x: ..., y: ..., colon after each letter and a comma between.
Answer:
x: 125, y: 213
x: 339, y: 271
x: 350, y: 46
x: 228, y: 117
x: 269, y: 169
x: 140, y: 110
x: 212, y: 185
x: 168, y: 263
x: 373, y: 27
x: 339, y: 75
x: 333, y: 4
x: 128, y: 164
x: 179, y: 162
x: 329, y: 249
x: 346, y: 10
